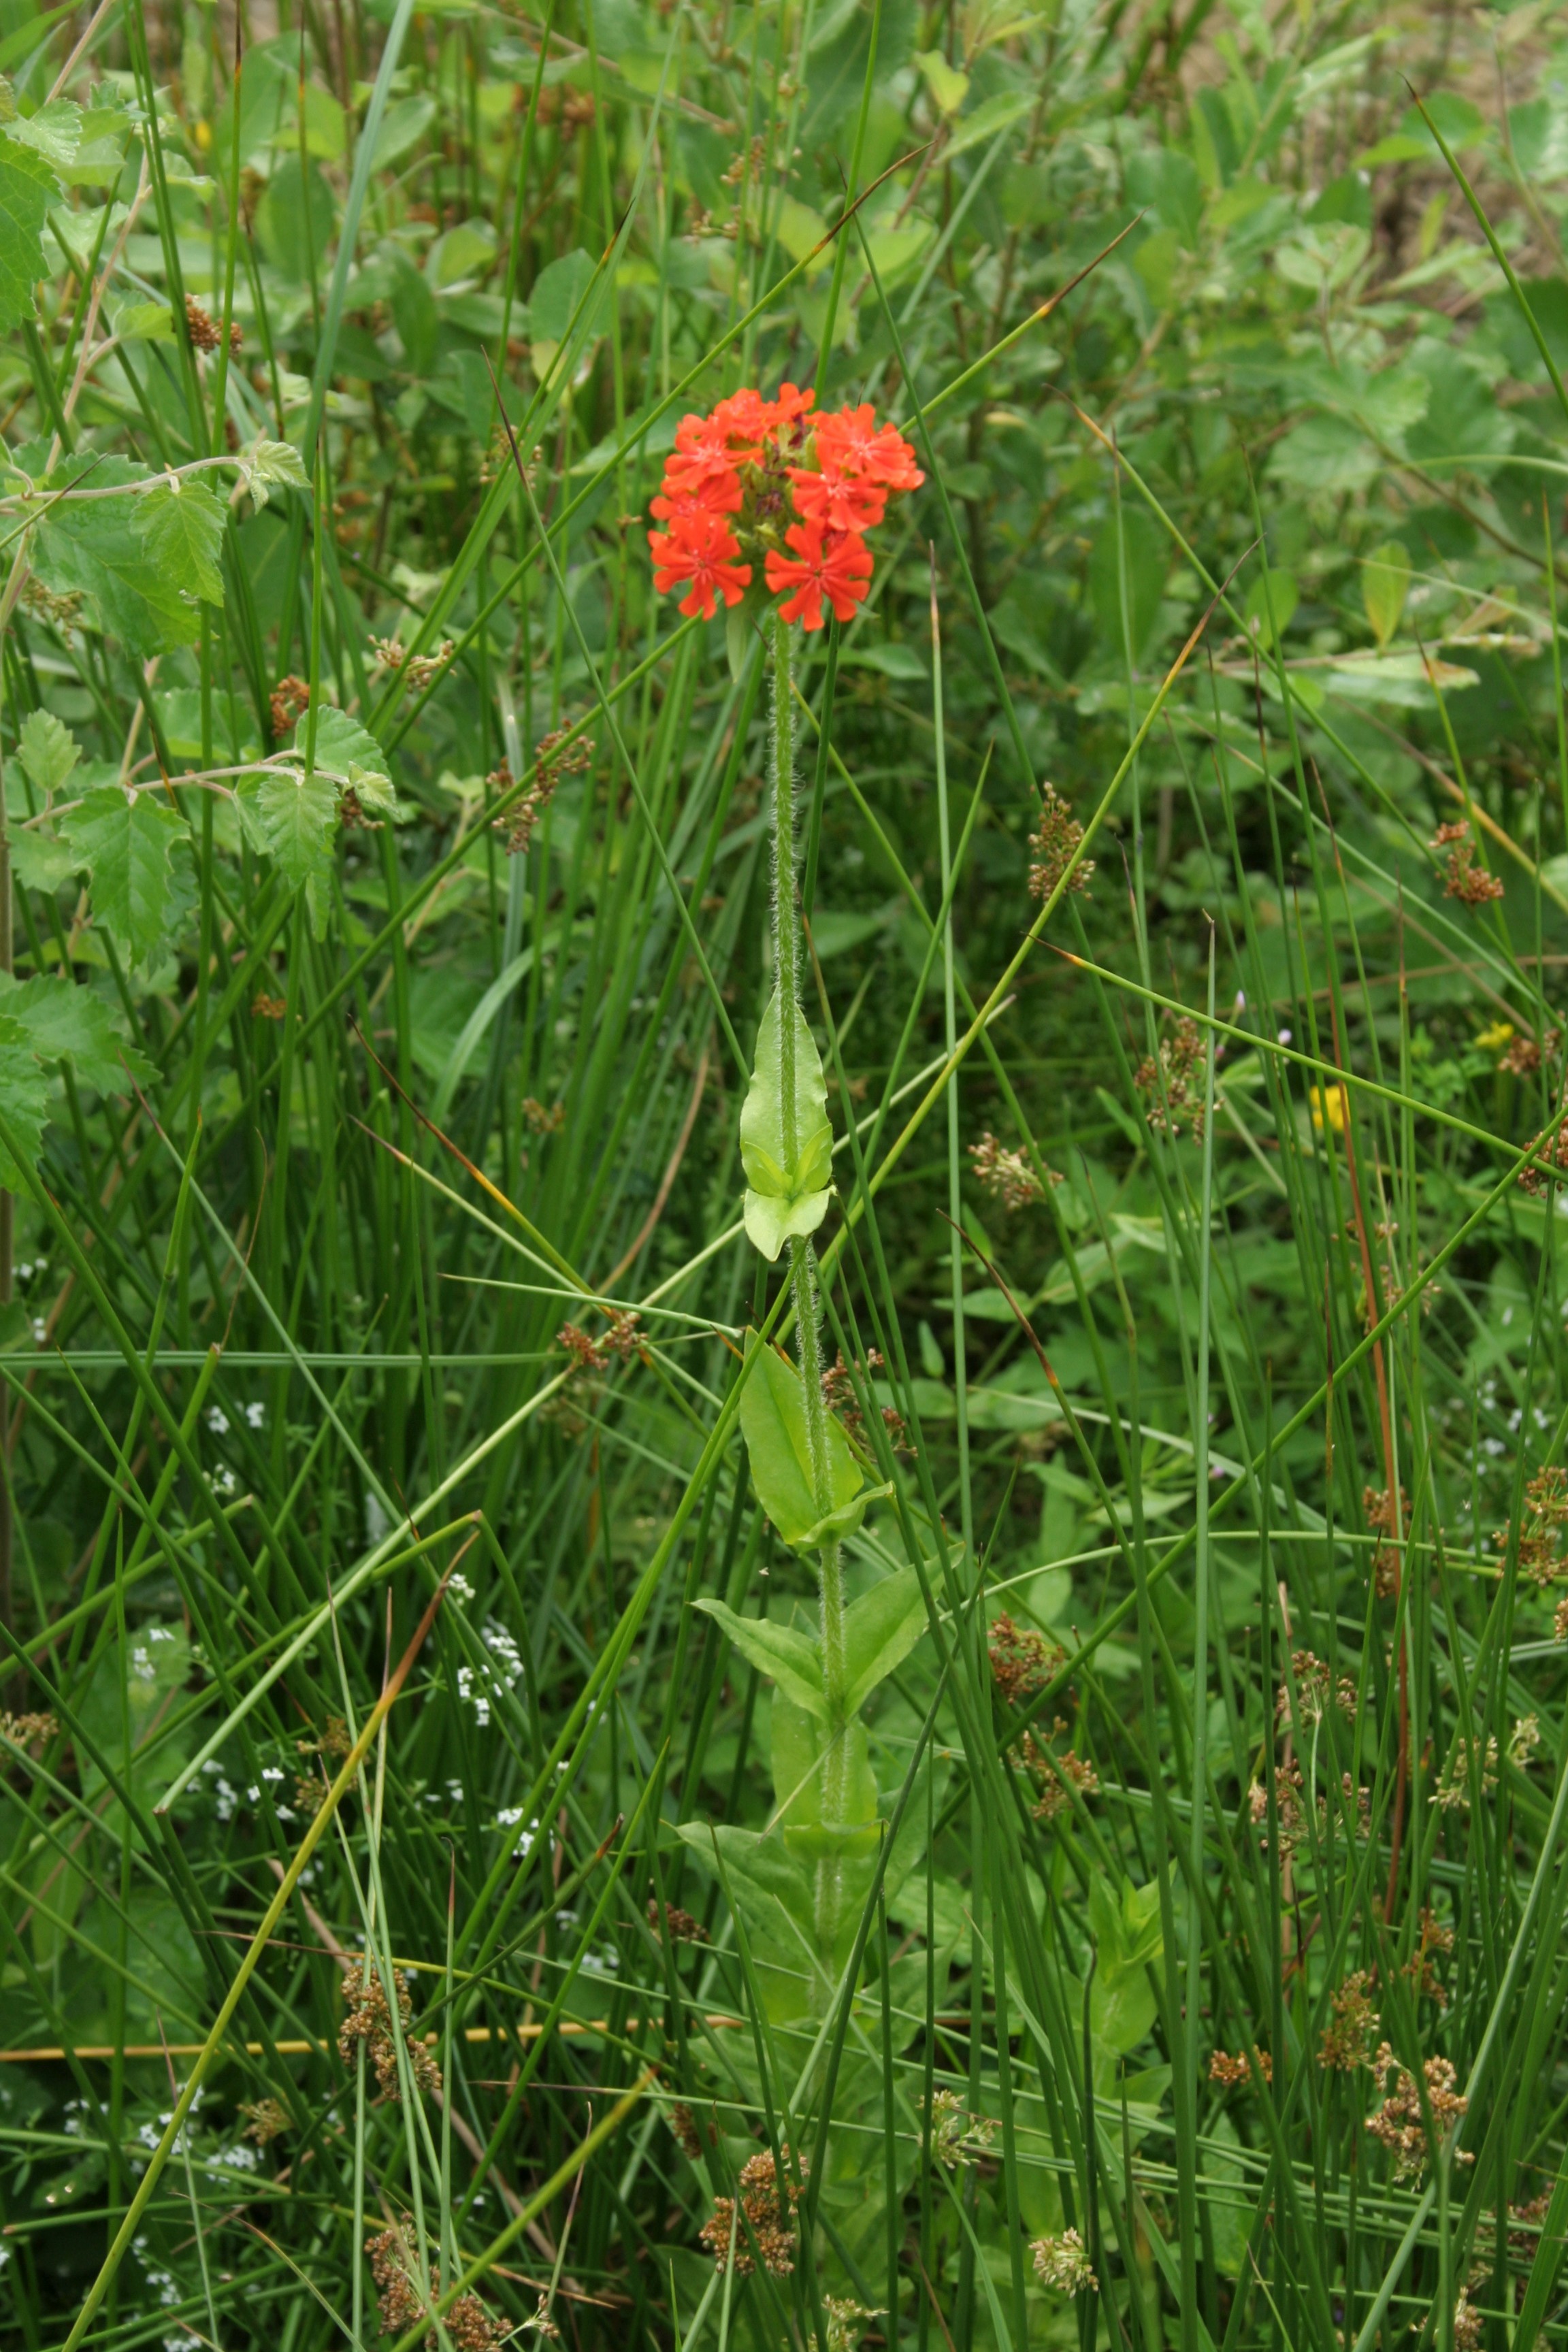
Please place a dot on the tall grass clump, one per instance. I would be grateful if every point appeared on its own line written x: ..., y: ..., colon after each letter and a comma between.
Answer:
x: 784, y: 1511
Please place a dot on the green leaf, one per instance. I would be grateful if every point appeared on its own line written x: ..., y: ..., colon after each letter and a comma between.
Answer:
x: 293, y: 820
x: 28, y: 189
x: 1385, y: 583
x: 772, y: 1422
x: 54, y: 131
x: 880, y: 1629
x: 558, y: 293
x: 274, y: 465
x: 182, y: 527
x: 787, y: 1195
x: 24, y: 1100
x: 344, y: 747
x: 803, y: 1751
x: 144, y: 322
x: 947, y: 86
x: 1126, y: 580
x: 1226, y: 2194
x: 131, y: 1688
x: 126, y: 843
x: 96, y: 545
x: 38, y: 863
x: 48, y: 751
x: 1280, y: 596
x: 774, y: 1894
x: 788, y: 1656
x: 65, y: 1023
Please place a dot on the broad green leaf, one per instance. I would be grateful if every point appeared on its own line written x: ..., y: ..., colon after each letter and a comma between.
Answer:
x: 808, y: 1763
x: 787, y: 1194
x: 96, y: 545
x: 1280, y: 598
x: 145, y: 322
x: 1385, y: 583
x: 342, y: 746
x: 293, y: 820
x: 402, y: 127
x: 39, y: 863
x: 54, y: 131
x: 772, y: 1421
x: 946, y: 84
x: 557, y: 293
x: 48, y: 751
x: 132, y: 1689
x: 274, y: 465
x: 67, y: 1023
x: 1226, y: 2194
x: 880, y: 1629
x: 100, y: 149
x: 788, y: 1656
x: 182, y: 526
x: 990, y: 118
x: 773, y: 1892
x: 28, y: 189
x: 1127, y: 579
x: 24, y: 1100
x: 126, y: 842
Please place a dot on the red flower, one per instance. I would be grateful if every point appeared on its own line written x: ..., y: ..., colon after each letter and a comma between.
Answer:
x: 792, y: 403
x: 714, y: 494
x: 699, y: 550
x: 837, y: 567
x: 837, y: 502
x: 847, y: 442
x: 745, y: 416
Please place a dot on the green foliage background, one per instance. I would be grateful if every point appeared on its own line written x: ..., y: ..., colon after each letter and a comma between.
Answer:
x: 385, y: 945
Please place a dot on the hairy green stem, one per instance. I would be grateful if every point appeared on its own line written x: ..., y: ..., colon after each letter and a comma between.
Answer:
x: 802, y: 1272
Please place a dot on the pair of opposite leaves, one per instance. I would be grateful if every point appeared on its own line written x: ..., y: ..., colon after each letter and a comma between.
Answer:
x: 786, y: 1194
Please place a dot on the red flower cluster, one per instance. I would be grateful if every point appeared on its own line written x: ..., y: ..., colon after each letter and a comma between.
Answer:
x: 760, y: 477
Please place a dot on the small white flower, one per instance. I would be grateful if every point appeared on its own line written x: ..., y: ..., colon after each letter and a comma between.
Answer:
x: 272, y: 1772
x: 256, y: 1413
x: 218, y: 1421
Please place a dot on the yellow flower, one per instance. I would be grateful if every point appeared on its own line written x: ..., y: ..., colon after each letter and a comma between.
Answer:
x: 1492, y: 1040
x: 1332, y: 1102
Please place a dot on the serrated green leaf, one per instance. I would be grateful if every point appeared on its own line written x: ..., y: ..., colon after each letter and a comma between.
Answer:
x: 126, y: 843
x: 880, y: 1629
x: 181, y: 525
x: 28, y: 189
x: 789, y: 1657
x: 48, y: 751
x: 95, y: 545
x: 341, y: 745
x: 274, y: 465
x: 54, y: 131
x: 39, y: 863
x: 772, y: 1422
x: 293, y: 820
x: 787, y: 1192
x: 24, y: 1100
x: 67, y: 1023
